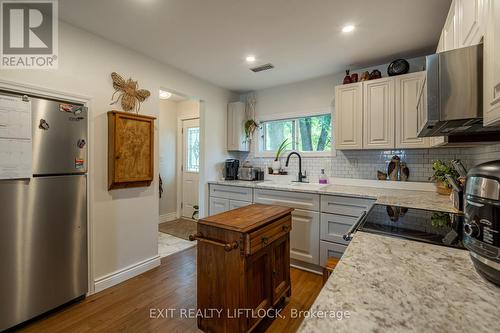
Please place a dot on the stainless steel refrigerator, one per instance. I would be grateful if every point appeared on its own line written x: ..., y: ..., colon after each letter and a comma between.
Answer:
x: 43, y: 220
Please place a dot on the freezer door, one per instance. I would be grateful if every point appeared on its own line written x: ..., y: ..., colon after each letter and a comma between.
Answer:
x: 43, y: 245
x: 59, y: 138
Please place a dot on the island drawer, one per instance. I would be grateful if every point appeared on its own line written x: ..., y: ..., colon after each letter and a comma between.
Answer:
x: 333, y: 227
x: 307, y: 201
x: 345, y: 205
x: 327, y: 249
x: 259, y: 239
x: 231, y: 192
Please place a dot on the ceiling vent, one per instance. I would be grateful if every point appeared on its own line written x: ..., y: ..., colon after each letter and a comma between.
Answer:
x: 262, y: 68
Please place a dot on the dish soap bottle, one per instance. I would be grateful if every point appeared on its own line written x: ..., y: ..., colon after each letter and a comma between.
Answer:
x: 322, y: 177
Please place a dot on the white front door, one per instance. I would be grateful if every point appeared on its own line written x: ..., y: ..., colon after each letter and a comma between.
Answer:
x: 190, y: 165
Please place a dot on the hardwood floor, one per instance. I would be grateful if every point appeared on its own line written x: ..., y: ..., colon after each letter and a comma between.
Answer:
x: 126, y: 307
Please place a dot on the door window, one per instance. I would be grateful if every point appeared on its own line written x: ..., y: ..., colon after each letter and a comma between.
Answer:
x: 193, y: 149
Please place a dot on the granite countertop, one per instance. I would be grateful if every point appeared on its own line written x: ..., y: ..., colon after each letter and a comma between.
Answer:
x: 386, y: 284
x: 386, y: 196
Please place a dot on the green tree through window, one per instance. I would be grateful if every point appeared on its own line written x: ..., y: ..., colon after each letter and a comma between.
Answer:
x: 306, y: 134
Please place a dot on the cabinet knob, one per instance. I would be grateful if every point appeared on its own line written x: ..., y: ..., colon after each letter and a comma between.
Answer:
x: 285, y: 227
x: 265, y: 240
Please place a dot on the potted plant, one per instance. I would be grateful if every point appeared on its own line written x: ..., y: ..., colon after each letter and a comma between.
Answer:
x: 196, y: 211
x: 441, y: 169
x: 279, y: 152
x: 250, y: 127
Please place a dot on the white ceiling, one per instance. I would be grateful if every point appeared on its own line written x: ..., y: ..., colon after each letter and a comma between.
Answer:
x: 211, y: 38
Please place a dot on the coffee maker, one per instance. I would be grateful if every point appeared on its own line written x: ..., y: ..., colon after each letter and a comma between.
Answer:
x: 231, y: 167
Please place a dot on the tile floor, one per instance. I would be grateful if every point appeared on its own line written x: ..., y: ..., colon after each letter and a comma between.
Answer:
x: 168, y: 244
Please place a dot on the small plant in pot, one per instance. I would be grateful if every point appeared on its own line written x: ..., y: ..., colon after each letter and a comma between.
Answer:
x: 250, y: 127
x: 279, y: 152
x: 441, y: 169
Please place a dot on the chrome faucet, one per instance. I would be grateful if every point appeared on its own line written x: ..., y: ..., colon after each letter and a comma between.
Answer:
x: 301, y: 176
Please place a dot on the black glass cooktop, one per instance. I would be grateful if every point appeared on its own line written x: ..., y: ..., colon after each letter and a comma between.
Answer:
x: 416, y: 224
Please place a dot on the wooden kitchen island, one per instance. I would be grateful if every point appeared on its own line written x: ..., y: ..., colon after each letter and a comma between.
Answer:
x: 243, y: 266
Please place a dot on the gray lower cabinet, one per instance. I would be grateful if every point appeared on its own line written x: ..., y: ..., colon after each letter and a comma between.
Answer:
x: 319, y: 222
x: 338, y: 215
x: 304, y: 237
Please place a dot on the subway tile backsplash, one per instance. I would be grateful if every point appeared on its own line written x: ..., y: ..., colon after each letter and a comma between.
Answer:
x: 363, y: 164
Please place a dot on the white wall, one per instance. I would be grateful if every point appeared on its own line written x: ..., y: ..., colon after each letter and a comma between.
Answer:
x: 188, y: 109
x: 125, y: 221
x: 167, y: 155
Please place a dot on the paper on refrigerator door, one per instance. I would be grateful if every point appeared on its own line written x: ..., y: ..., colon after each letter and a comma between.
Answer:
x: 15, y: 138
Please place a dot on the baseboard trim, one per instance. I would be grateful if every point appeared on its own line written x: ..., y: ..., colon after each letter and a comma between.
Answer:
x: 126, y: 273
x: 168, y: 217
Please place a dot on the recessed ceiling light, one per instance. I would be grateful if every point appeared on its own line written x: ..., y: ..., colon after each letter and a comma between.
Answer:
x: 250, y: 58
x: 165, y: 94
x: 348, y: 28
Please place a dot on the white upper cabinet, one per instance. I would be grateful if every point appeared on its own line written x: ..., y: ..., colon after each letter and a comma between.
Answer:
x: 378, y: 114
x: 449, y: 34
x: 440, y: 47
x: 348, y: 125
x: 492, y: 65
x: 471, y: 21
x: 236, y: 140
x: 407, y: 114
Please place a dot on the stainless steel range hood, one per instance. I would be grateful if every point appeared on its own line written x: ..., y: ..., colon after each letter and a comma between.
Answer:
x: 453, y: 94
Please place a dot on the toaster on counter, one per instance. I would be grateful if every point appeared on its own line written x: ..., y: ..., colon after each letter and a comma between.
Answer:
x: 248, y: 173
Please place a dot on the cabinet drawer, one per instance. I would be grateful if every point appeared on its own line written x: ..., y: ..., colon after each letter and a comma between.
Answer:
x: 333, y: 227
x: 233, y: 204
x: 261, y: 238
x: 307, y: 201
x: 345, y: 205
x: 231, y: 192
x: 327, y: 249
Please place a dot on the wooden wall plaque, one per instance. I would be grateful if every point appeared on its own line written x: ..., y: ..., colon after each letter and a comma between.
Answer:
x: 130, y: 150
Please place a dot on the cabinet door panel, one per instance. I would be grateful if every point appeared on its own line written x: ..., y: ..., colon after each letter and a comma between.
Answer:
x: 258, y: 284
x: 378, y: 112
x: 236, y: 140
x: 218, y: 205
x: 348, y: 116
x: 281, y: 268
x: 408, y: 112
x: 492, y: 66
x: 304, y: 237
x: 450, y: 40
x: 470, y: 22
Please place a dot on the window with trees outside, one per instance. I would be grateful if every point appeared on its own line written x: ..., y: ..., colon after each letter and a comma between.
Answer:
x: 305, y: 134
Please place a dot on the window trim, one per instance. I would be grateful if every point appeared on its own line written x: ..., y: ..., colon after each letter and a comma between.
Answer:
x: 257, y: 143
